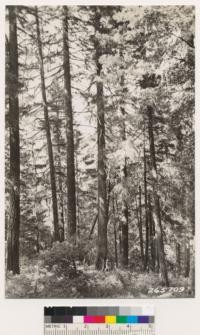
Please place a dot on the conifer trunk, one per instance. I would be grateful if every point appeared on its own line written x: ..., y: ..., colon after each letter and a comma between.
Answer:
x: 124, y: 175
x: 60, y: 180
x: 146, y: 260
x: 48, y: 131
x: 140, y: 226
x: 115, y: 233
x: 187, y: 260
x: 71, y: 183
x: 178, y: 259
x: 151, y: 234
x: 14, y: 219
x: 156, y: 214
x: 101, y: 165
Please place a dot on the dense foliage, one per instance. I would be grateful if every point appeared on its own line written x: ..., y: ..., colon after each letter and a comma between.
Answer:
x: 106, y: 114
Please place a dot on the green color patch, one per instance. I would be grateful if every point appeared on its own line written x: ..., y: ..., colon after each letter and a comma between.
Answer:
x: 121, y: 319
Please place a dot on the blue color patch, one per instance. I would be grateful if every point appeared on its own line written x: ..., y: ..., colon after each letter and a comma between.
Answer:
x: 132, y: 319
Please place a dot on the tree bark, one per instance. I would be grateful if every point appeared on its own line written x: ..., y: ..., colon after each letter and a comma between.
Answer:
x: 14, y: 219
x: 101, y: 165
x: 138, y: 213
x: 71, y: 183
x: 124, y: 175
x: 48, y: 131
x: 36, y: 202
x: 115, y: 233
x: 60, y: 180
x: 93, y: 226
x: 146, y: 260
x: 178, y: 259
x: 187, y: 260
x: 156, y: 214
x: 151, y: 234
x: 140, y: 226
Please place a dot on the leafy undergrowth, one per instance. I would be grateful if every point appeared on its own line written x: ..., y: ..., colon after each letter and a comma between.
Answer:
x: 36, y: 281
x: 53, y: 275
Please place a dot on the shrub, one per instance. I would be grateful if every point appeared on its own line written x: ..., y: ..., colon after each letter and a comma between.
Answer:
x: 61, y: 259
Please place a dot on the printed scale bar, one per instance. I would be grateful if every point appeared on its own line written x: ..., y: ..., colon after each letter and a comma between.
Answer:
x: 99, y: 329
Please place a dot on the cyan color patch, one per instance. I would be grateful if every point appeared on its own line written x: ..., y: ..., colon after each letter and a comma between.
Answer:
x: 132, y: 319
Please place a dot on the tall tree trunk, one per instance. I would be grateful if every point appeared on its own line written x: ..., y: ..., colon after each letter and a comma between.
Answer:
x: 187, y: 260
x: 36, y: 212
x: 146, y: 213
x: 60, y: 180
x: 138, y: 213
x: 71, y: 183
x: 125, y: 212
x: 77, y: 197
x: 48, y: 131
x: 178, y: 259
x: 14, y: 219
x: 115, y: 233
x: 151, y: 234
x: 101, y: 166
x: 141, y: 225
x: 119, y: 227
x: 157, y: 214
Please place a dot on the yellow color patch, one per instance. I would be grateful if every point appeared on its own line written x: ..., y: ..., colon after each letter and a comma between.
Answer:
x: 110, y: 319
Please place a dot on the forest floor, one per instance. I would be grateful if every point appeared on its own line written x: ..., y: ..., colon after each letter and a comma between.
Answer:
x: 36, y: 281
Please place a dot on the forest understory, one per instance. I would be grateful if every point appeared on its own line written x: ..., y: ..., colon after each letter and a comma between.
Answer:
x: 36, y: 280
x: 99, y: 152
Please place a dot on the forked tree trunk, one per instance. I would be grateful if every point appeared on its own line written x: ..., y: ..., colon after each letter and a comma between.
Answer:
x: 48, y: 131
x: 156, y: 213
x: 14, y: 219
x: 71, y: 183
x: 101, y: 166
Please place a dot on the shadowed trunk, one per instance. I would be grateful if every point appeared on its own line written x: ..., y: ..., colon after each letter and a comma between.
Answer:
x: 187, y: 260
x: 124, y: 175
x: 156, y: 212
x: 71, y: 184
x: 14, y: 219
x: 151, y: 234
x: 48, y: 131
x: 146, y: 260
x: 140, y: 226
x: 101, y: 167
x: 178, y: 259
x: 60, y: 178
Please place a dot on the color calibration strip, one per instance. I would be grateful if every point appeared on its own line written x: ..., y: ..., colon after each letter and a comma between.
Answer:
x: 99, y: 320
x: 99, y: 315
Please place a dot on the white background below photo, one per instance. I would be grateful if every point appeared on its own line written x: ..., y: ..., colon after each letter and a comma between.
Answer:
x: 172, y: 316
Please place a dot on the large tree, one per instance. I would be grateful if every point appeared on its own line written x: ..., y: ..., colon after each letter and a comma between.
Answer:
x: 14, y: 182
x: 71, y: 183
x: 48, y: 130
x: 101, y: 160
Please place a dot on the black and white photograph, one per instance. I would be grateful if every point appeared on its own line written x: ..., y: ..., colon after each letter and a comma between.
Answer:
x: 99, y: 151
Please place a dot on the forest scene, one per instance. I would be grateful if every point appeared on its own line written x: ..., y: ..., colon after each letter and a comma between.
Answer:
x: 99, y: 151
